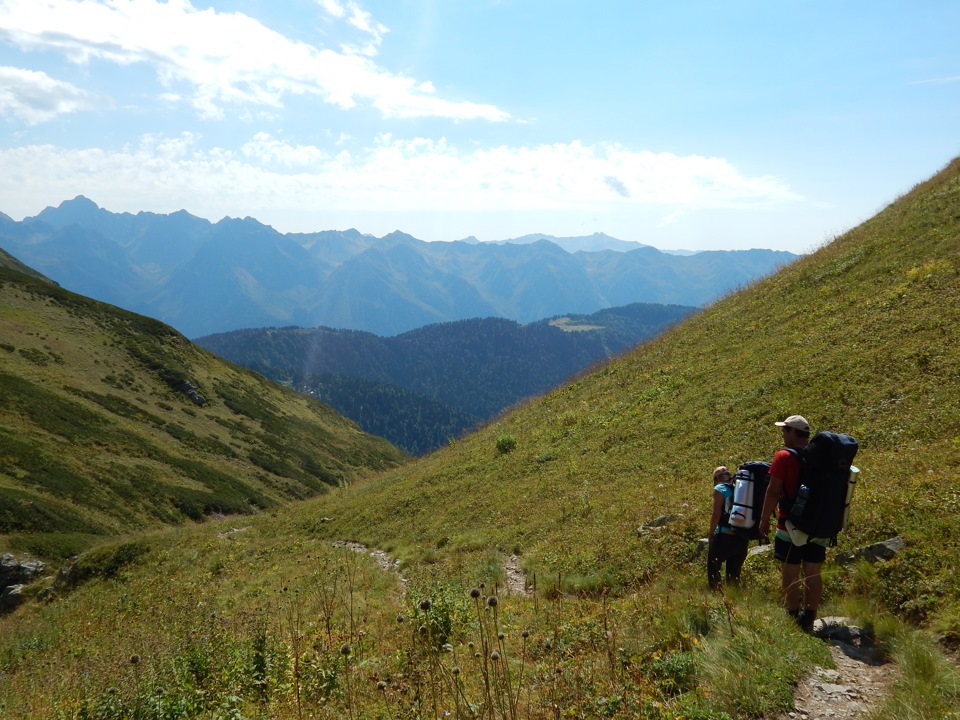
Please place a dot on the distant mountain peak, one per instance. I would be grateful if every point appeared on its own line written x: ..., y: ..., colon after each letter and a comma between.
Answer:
x: 79, y: 202
x: 399, y: 235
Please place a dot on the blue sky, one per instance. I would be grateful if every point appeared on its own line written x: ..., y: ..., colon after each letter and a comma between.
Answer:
x: 693, y: 125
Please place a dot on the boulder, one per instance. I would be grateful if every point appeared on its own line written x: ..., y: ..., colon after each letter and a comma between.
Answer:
x: 873, y: 553
x: 851, y: 640
x: 656, y: 524
x: 10, y: 597
x: 18, y: 571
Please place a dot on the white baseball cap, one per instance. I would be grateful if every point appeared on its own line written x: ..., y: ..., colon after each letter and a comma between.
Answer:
x: 797, y: 422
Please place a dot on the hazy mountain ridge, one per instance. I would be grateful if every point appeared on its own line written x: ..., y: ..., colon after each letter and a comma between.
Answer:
x: 439, y: 380
x: 204, y: 277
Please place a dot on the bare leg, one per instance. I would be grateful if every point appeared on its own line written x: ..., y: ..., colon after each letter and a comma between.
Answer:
x: 791, y: 587
x: 813, y: 585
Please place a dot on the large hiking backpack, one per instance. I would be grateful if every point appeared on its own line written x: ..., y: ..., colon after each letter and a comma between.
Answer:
x: 749, y: 487
x: 825, y: 487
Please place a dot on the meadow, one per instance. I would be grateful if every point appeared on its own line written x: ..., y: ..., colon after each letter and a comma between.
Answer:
x: 601, y: 489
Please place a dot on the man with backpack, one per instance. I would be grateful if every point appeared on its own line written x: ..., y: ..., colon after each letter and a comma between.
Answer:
x: 801, y: 558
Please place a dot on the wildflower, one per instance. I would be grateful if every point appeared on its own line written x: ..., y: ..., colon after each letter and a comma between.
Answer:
x: 501, y: 636
x: 381, y: 686
x: 425, y: 605
x: 492, y: 601
x: 475, y: 593
x: 345, y: 649
x: 134, y: 659
x: 455, y: 671
x: 494, y: 656
x: 399, y: 618
x: 422, y: 629
x: 525, y: 634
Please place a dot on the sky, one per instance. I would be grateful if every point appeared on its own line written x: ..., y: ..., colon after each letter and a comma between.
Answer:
x: 683, y: 125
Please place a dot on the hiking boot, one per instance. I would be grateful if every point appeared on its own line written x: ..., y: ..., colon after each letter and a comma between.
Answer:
x: 805, y: 619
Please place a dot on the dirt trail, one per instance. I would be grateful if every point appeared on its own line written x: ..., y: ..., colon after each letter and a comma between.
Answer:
x: 856, y: 686
x: 516, y: 579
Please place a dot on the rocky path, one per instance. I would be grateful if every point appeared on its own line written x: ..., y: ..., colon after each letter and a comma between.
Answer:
x: 853, y: 688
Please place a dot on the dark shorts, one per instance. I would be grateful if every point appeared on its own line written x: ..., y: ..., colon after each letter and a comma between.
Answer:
x: 786, y: 552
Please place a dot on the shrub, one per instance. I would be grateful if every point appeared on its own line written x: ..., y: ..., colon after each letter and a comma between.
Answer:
x: 506, y: 442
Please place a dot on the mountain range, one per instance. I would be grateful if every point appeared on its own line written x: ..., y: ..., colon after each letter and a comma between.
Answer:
x: 204, y: 278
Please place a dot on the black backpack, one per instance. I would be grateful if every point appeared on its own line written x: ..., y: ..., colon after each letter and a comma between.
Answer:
x: 742, y: 511
x: 819, y: 508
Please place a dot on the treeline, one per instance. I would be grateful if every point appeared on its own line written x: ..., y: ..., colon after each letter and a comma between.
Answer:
x: 422, y: 387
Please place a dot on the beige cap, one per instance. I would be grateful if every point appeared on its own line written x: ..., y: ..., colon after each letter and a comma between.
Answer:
x: 797, y: 422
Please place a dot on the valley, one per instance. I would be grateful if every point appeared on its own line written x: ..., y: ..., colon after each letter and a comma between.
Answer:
x: 599, y: 488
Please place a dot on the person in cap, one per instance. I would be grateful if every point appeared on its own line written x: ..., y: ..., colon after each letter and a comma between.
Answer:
x: 725, y: 545
x: 801, y: 584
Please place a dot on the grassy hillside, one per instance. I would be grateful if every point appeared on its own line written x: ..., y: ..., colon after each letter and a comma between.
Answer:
x: 267, y: 617
x: 112, y: 422
x: 862, y: 337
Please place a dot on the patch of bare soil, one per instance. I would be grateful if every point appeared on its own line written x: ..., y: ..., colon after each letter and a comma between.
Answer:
x: 516, y: 578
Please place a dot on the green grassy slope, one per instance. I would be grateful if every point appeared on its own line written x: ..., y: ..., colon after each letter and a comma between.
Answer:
x: 99, y: 434
x: 862, y: 337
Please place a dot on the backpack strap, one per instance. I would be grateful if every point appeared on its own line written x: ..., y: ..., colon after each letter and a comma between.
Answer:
x: 786, y: 503
x: 727, y: 506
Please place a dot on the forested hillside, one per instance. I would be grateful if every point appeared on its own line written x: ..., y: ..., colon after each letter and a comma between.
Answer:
x: 425, y: 387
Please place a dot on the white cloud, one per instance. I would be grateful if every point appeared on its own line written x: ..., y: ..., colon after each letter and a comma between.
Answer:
x: 269, y: 152
x: 225, y: 57
x: 35, y: 97
x: 269, y: 176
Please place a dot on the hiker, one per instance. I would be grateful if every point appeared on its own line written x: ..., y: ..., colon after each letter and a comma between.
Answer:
x: 800, y: 582
x: 726, y: 546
